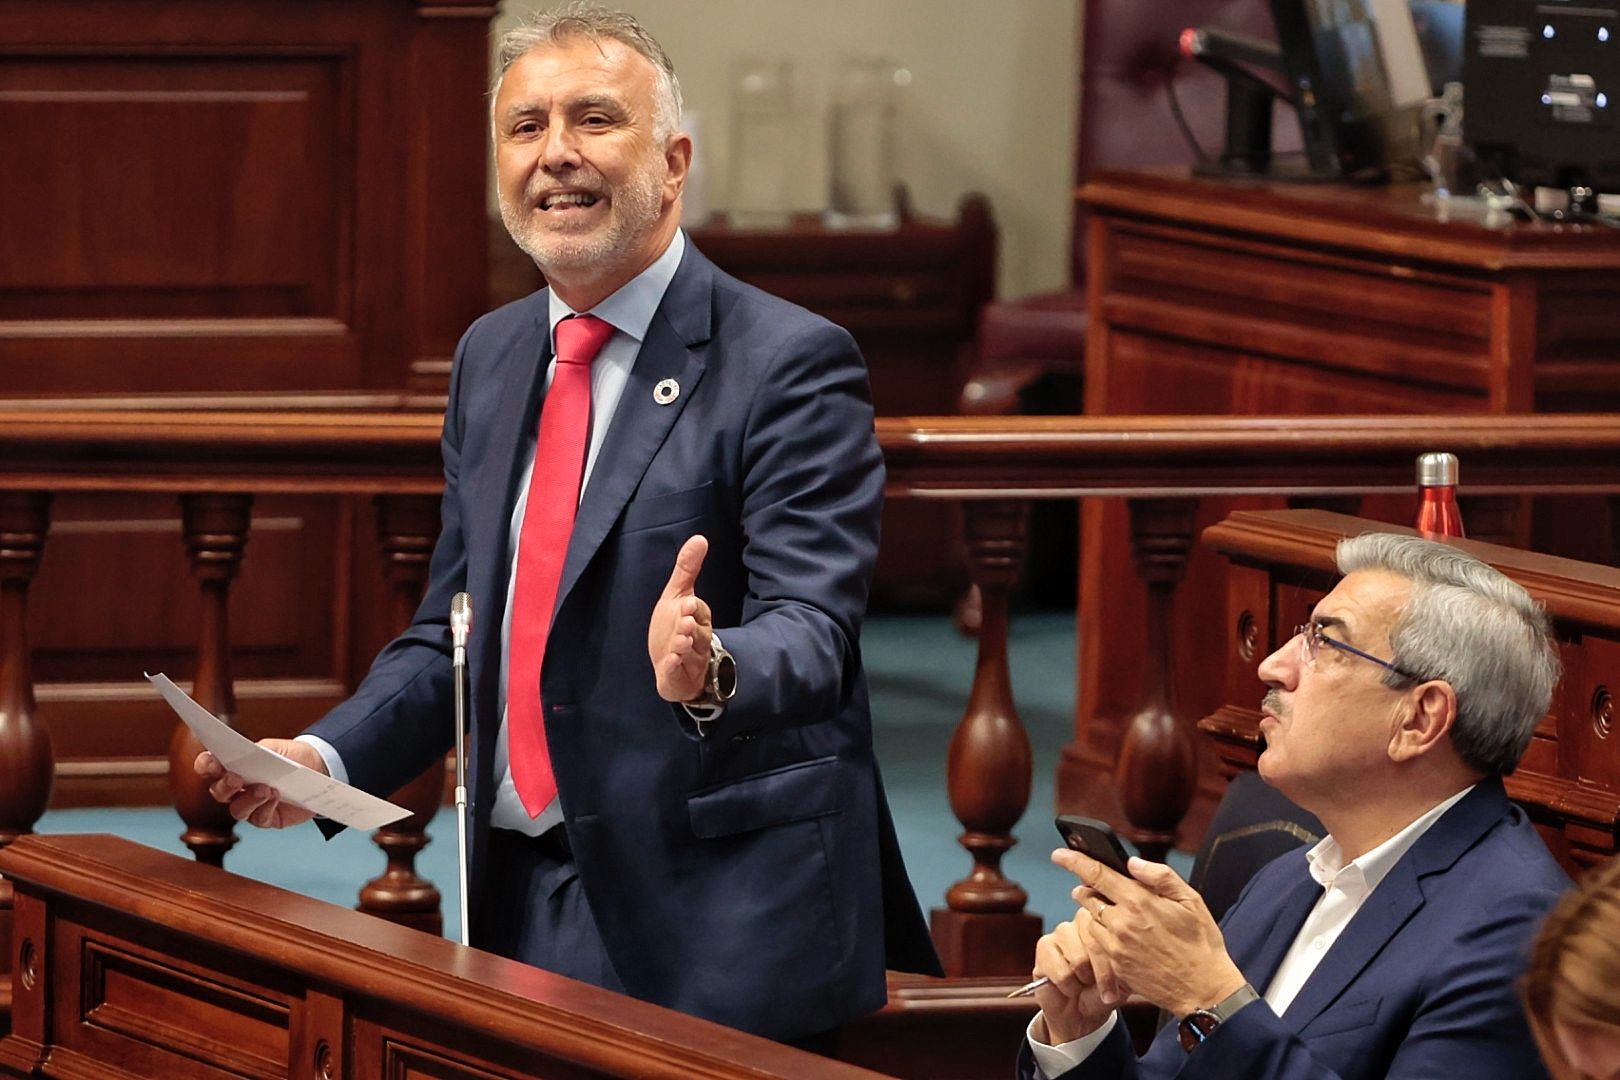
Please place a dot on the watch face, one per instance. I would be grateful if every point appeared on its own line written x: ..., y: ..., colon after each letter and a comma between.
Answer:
x: 1196, y: 1027
x: 725, y: 677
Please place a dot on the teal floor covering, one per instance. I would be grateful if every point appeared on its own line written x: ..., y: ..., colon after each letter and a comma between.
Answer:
x: 919, y: 669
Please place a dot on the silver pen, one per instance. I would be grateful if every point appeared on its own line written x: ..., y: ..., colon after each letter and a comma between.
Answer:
x: 1029, y: 987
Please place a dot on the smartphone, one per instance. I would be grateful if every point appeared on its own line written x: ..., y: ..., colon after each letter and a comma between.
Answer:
x: 1095, y: 838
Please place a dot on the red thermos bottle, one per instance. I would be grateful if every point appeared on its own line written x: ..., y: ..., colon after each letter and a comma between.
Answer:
x: 1438, y: 515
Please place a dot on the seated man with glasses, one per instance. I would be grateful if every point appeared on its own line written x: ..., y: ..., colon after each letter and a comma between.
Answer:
x: 1390, y: 949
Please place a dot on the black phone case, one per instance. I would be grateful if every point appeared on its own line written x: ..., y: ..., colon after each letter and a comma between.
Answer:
x: 1094, y: 838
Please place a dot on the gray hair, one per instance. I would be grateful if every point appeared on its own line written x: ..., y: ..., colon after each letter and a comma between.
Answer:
x: 594, y: 22
x: 1469, y: 625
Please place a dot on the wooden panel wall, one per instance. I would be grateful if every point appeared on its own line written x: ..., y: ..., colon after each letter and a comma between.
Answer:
x: 249, y: 194
x: 226, y: 196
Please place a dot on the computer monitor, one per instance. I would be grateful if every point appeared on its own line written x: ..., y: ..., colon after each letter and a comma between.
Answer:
x: 1541, y: 90
x: 1358, y: 74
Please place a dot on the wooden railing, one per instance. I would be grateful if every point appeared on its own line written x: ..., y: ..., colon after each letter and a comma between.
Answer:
x: 1162, y: 466
x: 217, y: 454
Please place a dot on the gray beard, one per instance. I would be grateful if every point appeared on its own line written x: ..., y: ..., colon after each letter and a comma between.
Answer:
x: 635, y: 208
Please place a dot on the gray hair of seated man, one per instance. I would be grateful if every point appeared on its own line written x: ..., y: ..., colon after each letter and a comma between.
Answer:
x: 1469, y: 625
x: 594, y: 22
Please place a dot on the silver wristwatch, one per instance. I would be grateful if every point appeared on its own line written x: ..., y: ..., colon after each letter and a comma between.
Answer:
x: 721, y: 684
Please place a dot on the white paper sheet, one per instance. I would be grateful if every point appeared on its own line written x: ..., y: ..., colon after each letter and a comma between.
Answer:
x: 307, y: 788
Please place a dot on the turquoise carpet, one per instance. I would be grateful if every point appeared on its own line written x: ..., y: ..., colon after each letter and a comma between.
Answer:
x: 919, y: 669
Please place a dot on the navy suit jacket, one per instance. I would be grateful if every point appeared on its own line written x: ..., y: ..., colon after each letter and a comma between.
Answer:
x: 1421, y: 984
x: 748, y: 874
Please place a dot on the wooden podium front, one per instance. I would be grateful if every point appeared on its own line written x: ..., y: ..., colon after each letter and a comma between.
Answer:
x: 133, y: 964
x: 1264, y: 298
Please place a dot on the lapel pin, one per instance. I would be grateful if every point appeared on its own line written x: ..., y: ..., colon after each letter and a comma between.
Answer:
x: 666, y: 391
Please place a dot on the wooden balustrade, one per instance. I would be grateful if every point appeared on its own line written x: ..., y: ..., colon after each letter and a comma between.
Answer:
x: 983, y: 928
x: 216, y: 533
x: 407, y: 527
x: 1162, y: 465
x: 216, y: 454
x: 220, y: 452
x: 26, y: 765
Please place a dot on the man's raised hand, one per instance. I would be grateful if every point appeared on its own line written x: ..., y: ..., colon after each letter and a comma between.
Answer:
x: 678, y: 633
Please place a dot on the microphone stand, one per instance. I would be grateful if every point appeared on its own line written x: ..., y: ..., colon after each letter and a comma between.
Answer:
x: 460, y: 627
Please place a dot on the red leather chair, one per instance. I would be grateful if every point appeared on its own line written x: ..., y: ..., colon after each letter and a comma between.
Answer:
x: 1031, y: 351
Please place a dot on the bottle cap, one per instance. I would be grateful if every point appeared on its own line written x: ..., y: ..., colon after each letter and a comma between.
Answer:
x: 1437, y: 470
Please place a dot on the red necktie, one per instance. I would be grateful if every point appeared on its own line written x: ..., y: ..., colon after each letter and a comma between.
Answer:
x: 548, y: 519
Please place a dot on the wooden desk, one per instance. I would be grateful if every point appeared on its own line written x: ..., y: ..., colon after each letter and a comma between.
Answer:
x: 1252, y: 297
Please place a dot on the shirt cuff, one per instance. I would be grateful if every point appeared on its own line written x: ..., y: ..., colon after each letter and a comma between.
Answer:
x: 334, y: 764
x: 1052, y: 1061
x: 703, y: 714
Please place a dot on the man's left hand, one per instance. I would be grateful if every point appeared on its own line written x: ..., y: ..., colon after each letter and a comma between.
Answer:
x: 678, y: 634
x: 1154, y: 935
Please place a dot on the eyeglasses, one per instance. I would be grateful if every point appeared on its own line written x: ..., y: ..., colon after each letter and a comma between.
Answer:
x: 1312, y: 636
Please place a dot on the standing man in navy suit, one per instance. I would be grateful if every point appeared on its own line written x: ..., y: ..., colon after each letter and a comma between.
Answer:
x: 1393, y: 947
x: 662, y: 492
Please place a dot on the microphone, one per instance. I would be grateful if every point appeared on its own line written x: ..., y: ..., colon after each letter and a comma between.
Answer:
x: 1211, y: 45
x: 460, y: 629
x: 460, y: 623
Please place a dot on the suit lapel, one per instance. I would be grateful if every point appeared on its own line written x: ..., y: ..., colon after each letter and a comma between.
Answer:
x: 641, y: 424
x: 1397, y: 898
x: 1258, y: 955
x: 1395, y: 901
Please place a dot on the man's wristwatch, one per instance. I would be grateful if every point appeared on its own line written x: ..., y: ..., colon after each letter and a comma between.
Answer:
x: 1200, y: 1024
x: 722, y: 681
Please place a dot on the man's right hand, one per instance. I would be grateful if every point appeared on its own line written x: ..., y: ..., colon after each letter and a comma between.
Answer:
x: 1071, y: 1006
x: 259, y: 804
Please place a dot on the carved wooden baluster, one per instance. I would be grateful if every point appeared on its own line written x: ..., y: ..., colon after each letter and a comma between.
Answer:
x: 25, y: 745
x: 26, y: 764
x: 1158, y: 759
x: 215, y: 527
x: 407, y: 526
x: 984, y: 929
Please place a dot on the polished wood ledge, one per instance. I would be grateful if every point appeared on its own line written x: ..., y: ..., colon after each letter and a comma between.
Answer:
x: 1175, y: 456
x: 324, y: 444
x: 338, y: 443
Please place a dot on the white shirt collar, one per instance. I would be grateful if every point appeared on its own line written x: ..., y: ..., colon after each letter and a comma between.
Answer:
x: 1326, y: 858
x: 631, y: 307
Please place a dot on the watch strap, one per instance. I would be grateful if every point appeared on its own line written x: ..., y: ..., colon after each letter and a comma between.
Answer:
x: 721, y: 681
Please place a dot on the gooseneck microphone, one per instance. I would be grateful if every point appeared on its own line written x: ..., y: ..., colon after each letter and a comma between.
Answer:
x: 460, y: 624
x: 460, y: 630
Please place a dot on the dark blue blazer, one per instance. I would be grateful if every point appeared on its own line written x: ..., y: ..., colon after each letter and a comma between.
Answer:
x: 1421, y: 984
x: 749, y: 874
